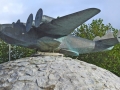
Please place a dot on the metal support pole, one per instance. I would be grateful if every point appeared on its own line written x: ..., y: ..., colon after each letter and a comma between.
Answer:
x: 9, y: 52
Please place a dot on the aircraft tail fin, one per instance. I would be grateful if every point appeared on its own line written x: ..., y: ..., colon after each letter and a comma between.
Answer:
x: 118, y: 36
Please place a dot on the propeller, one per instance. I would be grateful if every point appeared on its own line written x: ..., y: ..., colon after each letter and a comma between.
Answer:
x: 29, y: 22
x: 38, y: 17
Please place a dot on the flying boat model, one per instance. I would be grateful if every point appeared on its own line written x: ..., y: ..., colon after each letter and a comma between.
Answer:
x: 48, y: 34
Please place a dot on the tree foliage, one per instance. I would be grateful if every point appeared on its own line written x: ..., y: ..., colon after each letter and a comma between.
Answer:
x: 16, y: 52
x: 109, y: 60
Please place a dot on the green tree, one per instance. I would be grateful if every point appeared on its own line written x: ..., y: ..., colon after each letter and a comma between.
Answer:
x: 109, y: 60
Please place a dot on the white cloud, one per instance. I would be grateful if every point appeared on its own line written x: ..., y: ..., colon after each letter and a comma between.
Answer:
x: 11, y: 7
x: 11, y: 10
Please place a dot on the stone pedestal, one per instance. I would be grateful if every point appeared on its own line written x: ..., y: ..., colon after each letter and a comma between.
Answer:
x: 55, y: 73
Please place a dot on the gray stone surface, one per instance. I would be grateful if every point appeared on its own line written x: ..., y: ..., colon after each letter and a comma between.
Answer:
x: 55, y: 73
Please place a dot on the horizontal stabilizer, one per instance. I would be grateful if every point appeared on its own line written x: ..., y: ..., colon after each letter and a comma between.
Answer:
x: 109, y: 41
x: 97, y: 38
x: 106, y: 36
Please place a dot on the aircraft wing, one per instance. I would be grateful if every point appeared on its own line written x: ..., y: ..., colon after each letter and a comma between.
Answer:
x: 66, y: 24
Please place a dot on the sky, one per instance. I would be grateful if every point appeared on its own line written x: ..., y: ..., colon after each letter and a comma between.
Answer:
x: 12, y: 10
